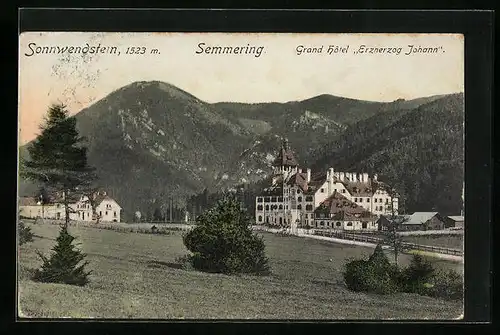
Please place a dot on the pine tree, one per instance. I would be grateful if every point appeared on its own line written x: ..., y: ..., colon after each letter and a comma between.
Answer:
x: 56, y: 158
x: 223, y: 241
x: 25, y: 234
x: 66, y: 265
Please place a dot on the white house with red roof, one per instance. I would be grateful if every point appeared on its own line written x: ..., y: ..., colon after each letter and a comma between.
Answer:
x: 296, y: 193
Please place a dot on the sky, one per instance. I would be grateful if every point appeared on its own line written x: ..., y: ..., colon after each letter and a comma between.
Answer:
x: 278, y: 74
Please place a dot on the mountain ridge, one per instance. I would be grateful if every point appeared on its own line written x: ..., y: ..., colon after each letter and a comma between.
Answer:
x: 150, y: 140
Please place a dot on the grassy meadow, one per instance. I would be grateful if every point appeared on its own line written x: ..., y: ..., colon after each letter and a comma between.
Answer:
x: 136, y: 276
x: 445, y: 241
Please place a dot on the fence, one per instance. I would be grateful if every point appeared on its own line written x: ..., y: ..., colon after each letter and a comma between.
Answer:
x: 375, y: 240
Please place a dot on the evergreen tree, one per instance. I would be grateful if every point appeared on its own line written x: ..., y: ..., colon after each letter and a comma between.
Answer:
x: 223, y: 241
x: 25, y: 234
x: 56, y: 158
x: 66, y: 265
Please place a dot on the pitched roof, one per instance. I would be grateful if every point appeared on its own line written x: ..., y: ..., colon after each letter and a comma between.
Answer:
x: 299, y: 179
x: 286, y: 156
x: 101, y: 197
x: 456, y: 217
x: 360, y: 189
x: 339, y: 205
x: 27, y: 201
x: 420, y: 217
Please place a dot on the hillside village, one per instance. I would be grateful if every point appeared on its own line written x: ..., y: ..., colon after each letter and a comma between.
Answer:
x: 336, y: 200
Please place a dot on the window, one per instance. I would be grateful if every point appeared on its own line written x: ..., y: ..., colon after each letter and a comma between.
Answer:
x: 267, y: 199
x: 259, y: 207
x: 328, y: 223
x: 280, y: 199
x: 299, y: 207
x: 349, y: 224
x: 322, y: 223
x: 106, y: 212
x: 281, y: 206
x: 267, y: 219
x: 309, y: 198
x: 259, y: 199
x: 100, y: 213
x: 309, y: 207
x: 299, y: 199
x: 355, y: 199
x: 298, y: 191
x: 281, y: 220
x: 267, y: 207
x: 260, y: 218
x: 367, y: 199
x: 307, y: 222
x: 307, y: 215
x: 114, y: 214
x: 343, y: 191
x: 364, y: 225
x: 386, y: 200
x: 273, y: 199
x: 322, y: 190
x: 338, y: 224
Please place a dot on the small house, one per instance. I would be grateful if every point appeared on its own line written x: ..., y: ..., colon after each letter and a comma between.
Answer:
x: 424, y: 221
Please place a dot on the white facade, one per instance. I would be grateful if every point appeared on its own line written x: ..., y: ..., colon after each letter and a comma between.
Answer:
x: 108, y: 210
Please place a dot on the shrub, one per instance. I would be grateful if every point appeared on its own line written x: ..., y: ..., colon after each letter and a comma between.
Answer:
x: 63, y: 265
x: 223, y: 241
x: 25, y: 234
x: 417, y: 275
x: 447, y: 284
x: 376, y: 275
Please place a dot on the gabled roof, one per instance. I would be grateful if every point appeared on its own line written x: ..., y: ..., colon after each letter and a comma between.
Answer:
x: 100, y: 198
x: 286, y: 156
x: 299, y: 179
x: 338, y: 204
x: 456, y: 218
x: 420, y: 217
x: 27, y: 201
x: 360, y: 189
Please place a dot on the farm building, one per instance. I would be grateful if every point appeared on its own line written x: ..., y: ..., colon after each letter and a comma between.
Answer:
x: 424, y: 221
x: 455, y: 221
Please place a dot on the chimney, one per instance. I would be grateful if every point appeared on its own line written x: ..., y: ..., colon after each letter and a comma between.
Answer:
x: 342, y: 176
x: 330, y: 175
x: 365, y: 177
x: 375, y: 176
x: 308, y: 175
x: 300, y: 170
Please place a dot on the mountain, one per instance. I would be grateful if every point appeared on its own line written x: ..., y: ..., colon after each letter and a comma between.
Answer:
x: 420, y: 151
x: 151, y: 140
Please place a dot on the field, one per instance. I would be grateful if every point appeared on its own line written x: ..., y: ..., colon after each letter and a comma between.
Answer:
x: 446, y: 241
x: 135, y: 276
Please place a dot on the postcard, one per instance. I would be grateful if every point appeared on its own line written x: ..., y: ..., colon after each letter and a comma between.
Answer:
x: 254, y: 176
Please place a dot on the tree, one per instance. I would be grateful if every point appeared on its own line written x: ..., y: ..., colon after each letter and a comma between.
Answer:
x: 57, y: 158
x: 157, y: 215
x: 393, y: 239
x: 223, y: 241
x: 25, y: 234
x: 65, y: 265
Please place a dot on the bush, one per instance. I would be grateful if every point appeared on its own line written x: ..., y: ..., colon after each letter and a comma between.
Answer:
x: 25, y: 234
x: 376, y: 275
x: 223, y: 241
x: 63, y: 265
x: 447, y: 284
x: 417, y: 275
